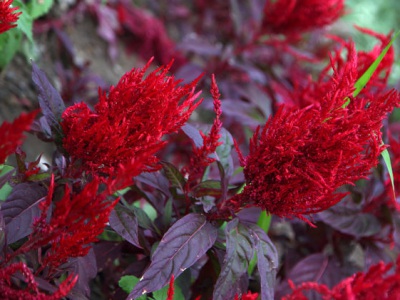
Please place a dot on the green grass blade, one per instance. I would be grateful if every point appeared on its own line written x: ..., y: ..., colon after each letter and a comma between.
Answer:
x: 363, y: 80
x: 386, y: 159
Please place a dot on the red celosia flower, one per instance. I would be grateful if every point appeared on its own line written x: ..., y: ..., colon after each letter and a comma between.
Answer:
x: 376, y: 283
x: 8, y: 16
x: 11, y: 134
x: 171, y: 288
x: 302, y: 156
x: 248, y: 296
x: 31, y: 292
x: 297, y: 16
x: 303, y: 91
x: 75, y: 222
x: 128, y: 123
x: 146, y: 35
x: 201, y: 156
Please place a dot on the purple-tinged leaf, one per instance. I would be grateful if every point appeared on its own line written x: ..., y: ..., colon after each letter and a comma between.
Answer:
x: 86, y: 268
x: 21, y: 209
x: 196, y: 44
x: 239, y: 252
x: 49, y: 99
x: 351, y: 221
x: 125, y: 223
x: 314, y: 268
x: 267, y: 261
x: 194, y: 134
x: 182, y: 245
x: 173, y: 175
x: 207, y: 188
x: 3, y: 243
x: 155, y: 180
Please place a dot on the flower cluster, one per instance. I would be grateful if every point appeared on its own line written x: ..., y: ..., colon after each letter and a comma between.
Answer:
x: 11, y: 134
x: 31, y: 292
x: 8, y: 16
x: 76, y: 221
x: 302, y: 156
x: 376, y: 283
x: 128, y: 123
x: 297, y: 16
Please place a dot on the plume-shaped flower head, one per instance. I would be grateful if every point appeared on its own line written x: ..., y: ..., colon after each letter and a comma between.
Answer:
x: 8, y: 16
x: 128, y: 124
x: 302, y: 156
x: 298, y: 16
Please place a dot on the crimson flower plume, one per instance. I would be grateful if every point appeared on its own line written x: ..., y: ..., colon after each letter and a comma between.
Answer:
x: 76, y: 221
x: 201, y: 157
x: 8, y: 16
x: 376, y: 283
x: 301, y: 157
x: 11, y: 134
x: 31, y: 292
x: 292, y: 17
x: 129, y: 123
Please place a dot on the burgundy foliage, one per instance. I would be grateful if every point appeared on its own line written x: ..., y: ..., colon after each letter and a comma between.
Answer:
x: 145, y: 197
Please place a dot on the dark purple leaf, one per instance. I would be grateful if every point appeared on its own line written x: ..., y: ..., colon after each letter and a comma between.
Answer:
x: 181, y: 246
x: 155, y: 180
x: 314, y: 268
x: 173, y: 175
x: 351, y: 221
x: 107, y: 27
x: 49, y: 99
x: 239, y: 252
x: 3, y: 243
x: 194, y: 134
x: 21, y: 209
x: 86, y: 268
x: 125, y: 223
x: 267, y: 261
x: 199, y: 45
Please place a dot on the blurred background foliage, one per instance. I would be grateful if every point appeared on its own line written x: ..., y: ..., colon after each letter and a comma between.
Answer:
x: 380, y: 16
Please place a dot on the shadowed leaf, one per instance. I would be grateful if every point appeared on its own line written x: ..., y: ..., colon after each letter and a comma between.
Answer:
x: 181, y: 246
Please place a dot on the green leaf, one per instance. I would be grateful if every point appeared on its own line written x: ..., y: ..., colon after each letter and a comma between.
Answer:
x: 38, y: 8
x: 25, y: 20
x: 9, y: 44
x: 386, y: 159
x: 363, y: 80
x: 5, y: 189
x: 127, y: 283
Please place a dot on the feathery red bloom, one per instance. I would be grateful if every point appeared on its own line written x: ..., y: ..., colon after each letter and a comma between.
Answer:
x: 75, y: 222
x: 129, y: 123
x: 376, y: 283
x: 8, y: 16
x: 11, y: 134
x: 201, y: 156
x: 31, y: 292
x: 302, y: 156
x: 297, y: 16
x: 248, y: 296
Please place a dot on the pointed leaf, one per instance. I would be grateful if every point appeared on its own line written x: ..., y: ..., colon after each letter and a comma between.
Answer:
x: 239, y: 252
x: 49, y: 99
x: 125, y: 223
x: 267, y: 261
x: 86, y: 269
x: 175, y: 177
x: 194, y: 134
x: 351, y: 221
x: 21, y: 209
x: 363, y: 80
x: 181, y: 246
x: 38, y: 8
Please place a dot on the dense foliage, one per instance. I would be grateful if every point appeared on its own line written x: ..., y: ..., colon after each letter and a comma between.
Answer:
x: 247, y: 155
